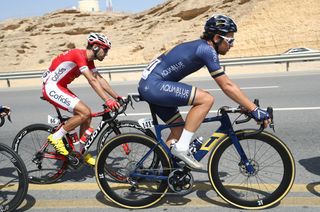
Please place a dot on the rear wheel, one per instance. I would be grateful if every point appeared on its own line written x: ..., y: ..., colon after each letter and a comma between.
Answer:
x: 137, y: 185
x: 271, y: 180
x: 43, y: 164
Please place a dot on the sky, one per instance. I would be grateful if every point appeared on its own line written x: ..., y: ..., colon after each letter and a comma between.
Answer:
x: 28, y: 8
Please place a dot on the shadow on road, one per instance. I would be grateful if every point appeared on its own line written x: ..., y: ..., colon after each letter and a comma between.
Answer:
x: 312, y: 165
x: 27, y: 204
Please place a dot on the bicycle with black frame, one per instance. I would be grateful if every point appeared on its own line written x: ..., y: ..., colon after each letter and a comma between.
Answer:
x: 13, y: 174
x: 45, y: 165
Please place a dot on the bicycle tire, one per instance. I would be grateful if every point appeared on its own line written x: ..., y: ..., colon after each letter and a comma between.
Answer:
x: 124, y: 126
x: 11, y: 162
x: 27, y: 144
x: 110, y: 187
x: 257, y: 194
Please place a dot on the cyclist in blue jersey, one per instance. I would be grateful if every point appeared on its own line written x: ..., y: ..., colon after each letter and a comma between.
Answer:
x: 161, y: 88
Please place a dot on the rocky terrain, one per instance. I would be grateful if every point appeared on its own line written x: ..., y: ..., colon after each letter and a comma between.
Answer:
x: 266, y: 27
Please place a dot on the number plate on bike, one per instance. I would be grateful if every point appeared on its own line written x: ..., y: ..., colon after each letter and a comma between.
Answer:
x: 146, y: 123
x: 53, y: 120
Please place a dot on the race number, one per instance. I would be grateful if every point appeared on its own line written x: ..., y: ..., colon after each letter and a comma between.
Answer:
x: 150, y: 68
x: 53, y: 120
x: 146, y: 123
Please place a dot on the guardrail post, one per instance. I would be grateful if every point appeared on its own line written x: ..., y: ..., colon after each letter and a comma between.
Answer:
x: 224, y: 68
x: 8, y: 83
x: 110, y: 76
x: 287, y: 66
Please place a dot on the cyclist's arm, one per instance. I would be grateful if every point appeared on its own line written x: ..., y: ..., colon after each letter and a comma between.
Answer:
x: 234, y: 92
x: 105, y: 85
x: 95, y: 84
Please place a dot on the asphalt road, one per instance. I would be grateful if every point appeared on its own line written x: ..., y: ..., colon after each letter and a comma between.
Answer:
x: 293, y: 95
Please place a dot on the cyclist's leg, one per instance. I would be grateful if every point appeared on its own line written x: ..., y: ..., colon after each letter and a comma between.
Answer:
x: 175, y: 131
x: 81, y: 117
x: 170, y: 115
x: 169, y: 95
x: 66, y: 100
x: 201, y: 105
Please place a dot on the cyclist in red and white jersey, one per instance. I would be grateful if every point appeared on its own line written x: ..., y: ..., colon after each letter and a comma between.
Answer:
x: 63, y: 70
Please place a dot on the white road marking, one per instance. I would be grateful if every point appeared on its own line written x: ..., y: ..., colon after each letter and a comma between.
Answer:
x: 247, y: 88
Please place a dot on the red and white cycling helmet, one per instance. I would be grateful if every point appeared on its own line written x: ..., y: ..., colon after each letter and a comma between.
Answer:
x: 99, y: 39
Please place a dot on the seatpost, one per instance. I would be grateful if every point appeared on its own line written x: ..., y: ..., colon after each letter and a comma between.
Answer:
x: 59, y: 113
x: 154, y: 116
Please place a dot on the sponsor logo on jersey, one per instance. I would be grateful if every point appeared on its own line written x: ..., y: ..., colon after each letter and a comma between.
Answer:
x: 60, y: 98
x: 173, y: 68
x: 57, y: 74
x: 179, y: 92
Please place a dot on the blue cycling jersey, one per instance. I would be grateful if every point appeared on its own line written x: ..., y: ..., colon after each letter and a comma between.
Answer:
x: 160, y: 84
x: 183, y: 60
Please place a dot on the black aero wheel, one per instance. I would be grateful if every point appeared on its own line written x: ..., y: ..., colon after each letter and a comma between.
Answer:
x: 13, y: 179
x: 120, y: 127
x: 272, y: 179
x: 137, y: 185
x: 41, y: 160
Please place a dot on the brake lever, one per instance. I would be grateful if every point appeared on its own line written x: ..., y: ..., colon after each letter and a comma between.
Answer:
x: 130, y: 101
x: 271, y: 125
x: 9, y: 118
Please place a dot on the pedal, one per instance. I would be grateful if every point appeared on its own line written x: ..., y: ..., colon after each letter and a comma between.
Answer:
x: 75, y: 160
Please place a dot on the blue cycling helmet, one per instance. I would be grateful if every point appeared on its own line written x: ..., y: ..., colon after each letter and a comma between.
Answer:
x: 220, y: 24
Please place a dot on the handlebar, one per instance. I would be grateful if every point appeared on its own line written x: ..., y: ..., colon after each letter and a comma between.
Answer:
x: 2, y: 118
x: 112, y: 114
x: 240, y: 109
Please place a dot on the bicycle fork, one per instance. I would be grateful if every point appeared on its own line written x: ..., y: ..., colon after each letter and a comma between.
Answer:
x: 244, y: 163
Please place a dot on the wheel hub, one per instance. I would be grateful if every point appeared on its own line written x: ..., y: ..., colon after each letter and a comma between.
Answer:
x: 245, y: 172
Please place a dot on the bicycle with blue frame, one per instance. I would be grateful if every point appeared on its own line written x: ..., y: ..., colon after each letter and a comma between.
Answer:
x: 248, y: 168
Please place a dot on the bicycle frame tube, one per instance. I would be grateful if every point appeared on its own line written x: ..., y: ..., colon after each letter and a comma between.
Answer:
x: 224, y: 130
x: 95, y: 133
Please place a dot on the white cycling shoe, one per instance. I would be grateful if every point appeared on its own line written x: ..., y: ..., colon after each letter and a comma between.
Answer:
x: 187, y: 157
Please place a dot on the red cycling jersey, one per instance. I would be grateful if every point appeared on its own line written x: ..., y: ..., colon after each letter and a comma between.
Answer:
x: 63, y: 70
x: 68, y: 66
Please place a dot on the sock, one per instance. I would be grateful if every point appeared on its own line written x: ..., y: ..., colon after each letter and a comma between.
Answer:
x: 59, y: 134
x: 184, y: 141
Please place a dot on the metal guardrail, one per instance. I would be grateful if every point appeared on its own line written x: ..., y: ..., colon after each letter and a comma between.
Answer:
x: 138, y: 68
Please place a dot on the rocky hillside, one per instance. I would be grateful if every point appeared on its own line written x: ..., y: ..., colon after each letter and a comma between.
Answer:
x: 265, y: 27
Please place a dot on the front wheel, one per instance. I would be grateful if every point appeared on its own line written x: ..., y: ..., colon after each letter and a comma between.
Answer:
x: 137, y: 185
x: 41, y: 160
x: 120, y: 127
x: 271, y: 180
x: 13, y: 179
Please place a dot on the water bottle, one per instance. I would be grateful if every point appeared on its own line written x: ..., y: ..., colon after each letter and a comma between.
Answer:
x: 84, y: 138
x: 196, y: 144
x: 75, y: 139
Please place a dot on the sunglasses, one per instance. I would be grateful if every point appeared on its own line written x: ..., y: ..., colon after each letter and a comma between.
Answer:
x: 105, y: 50
x: 229, y: 40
